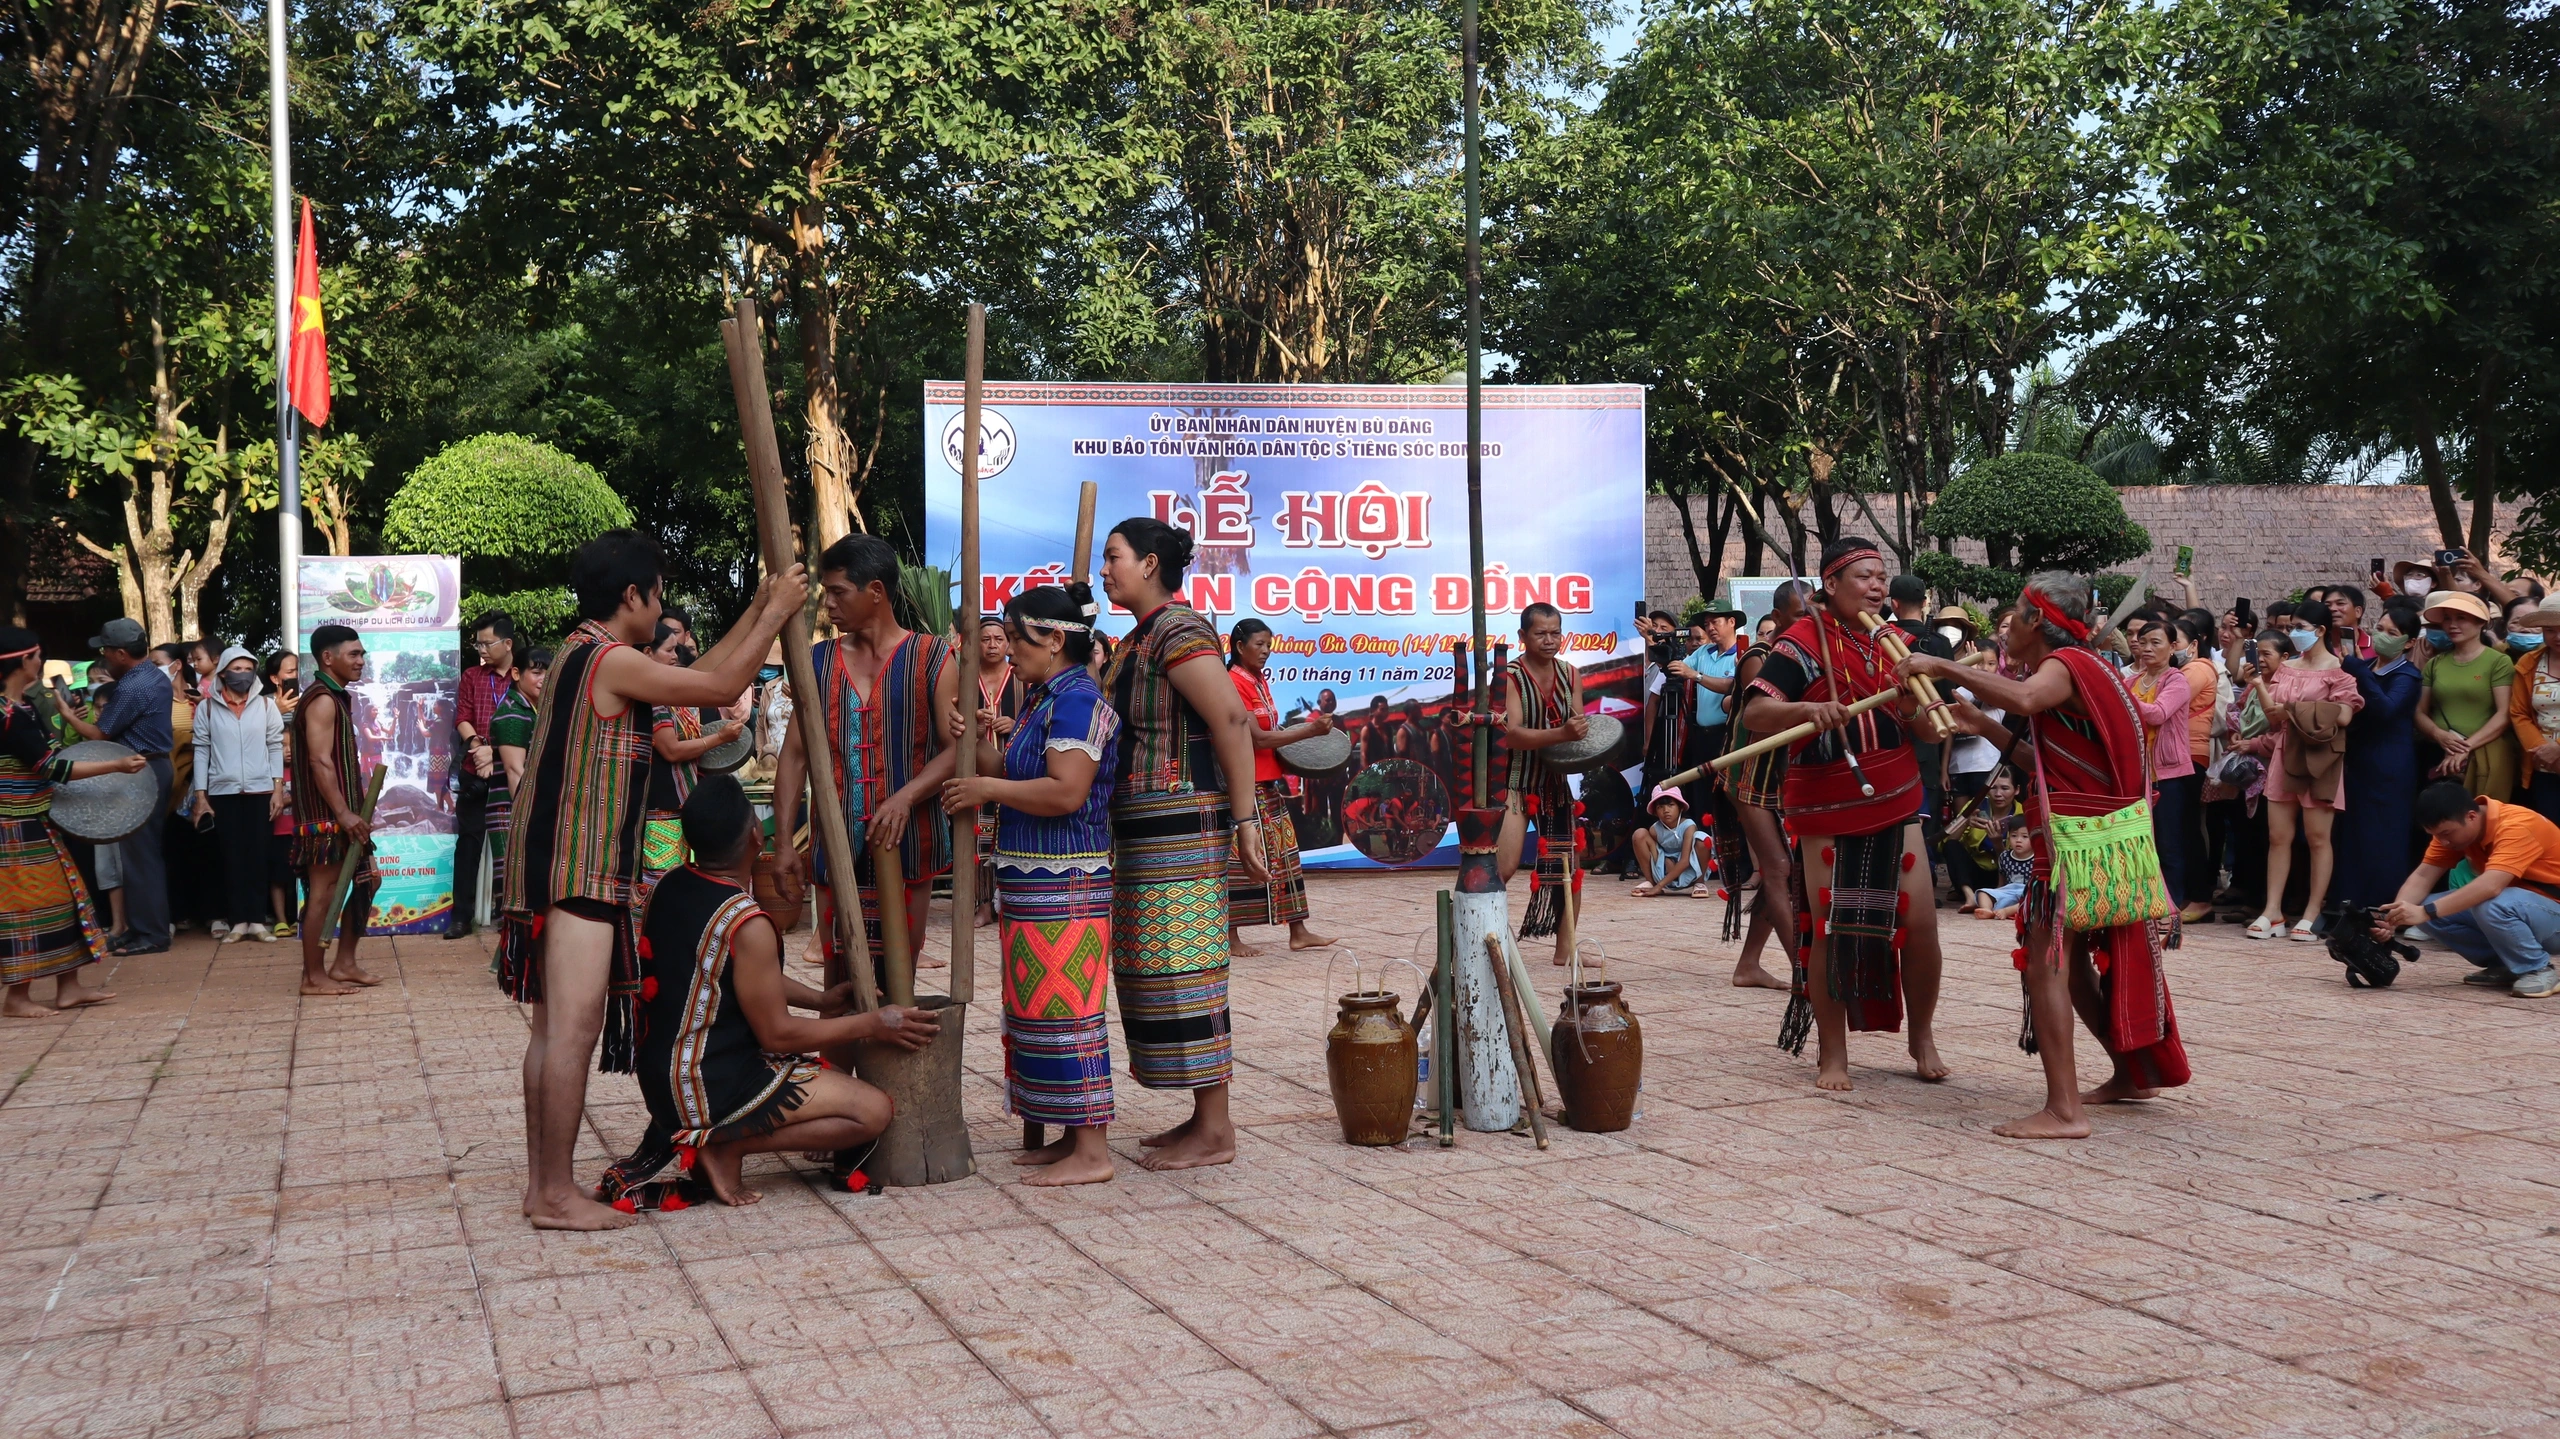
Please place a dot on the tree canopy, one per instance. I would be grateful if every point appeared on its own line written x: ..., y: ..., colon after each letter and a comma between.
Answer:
x: 514, y: 509
x: 2031, y: 511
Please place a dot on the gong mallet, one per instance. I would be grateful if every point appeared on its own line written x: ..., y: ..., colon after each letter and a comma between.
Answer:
x: 1780, y: 740
x: 964, y: 869
x: 1934, y: 719
x: 744, y: 339
x: 1520, y: 1046
x: 336, y: 907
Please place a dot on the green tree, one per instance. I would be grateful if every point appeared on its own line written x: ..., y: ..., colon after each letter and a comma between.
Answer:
x: 859, y: 163
x: 2362, y: 258
x: 2032, y: 511
x: 1933, y: 193
x: 514, y: 509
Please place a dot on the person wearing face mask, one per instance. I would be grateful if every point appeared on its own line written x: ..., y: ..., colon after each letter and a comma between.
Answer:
x: 239, y: 763
x: 2378, y: 833
x: 2533, y: 704
x: 2465, y: 707
x: 2309, y: 701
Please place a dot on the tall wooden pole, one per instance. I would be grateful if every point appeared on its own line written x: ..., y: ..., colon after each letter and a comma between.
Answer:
x: 964, y: 875
x: 1475, y: 398
x: 745, y: 343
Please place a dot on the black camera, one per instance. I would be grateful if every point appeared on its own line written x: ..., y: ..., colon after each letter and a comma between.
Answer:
x: 2450, y: 558
x: 2372, y: 962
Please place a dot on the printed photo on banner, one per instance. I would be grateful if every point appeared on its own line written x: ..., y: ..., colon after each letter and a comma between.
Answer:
x: 406, y: 607
x: 1338, y: 516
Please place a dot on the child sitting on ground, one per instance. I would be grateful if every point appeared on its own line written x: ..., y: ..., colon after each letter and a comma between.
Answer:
x: 2017, y: 866
x: 723, y: 1061
x: 1670, y: 848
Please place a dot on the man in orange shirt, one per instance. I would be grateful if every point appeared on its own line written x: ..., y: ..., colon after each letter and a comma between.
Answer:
x: 2507, y: 919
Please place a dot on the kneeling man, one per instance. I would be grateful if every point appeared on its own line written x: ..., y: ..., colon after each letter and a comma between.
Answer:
x: 723, y: 1061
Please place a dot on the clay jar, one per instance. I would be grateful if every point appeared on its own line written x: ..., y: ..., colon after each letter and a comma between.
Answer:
x: 1369, y: 1061
x: 786, y: 917
x: 1597, y: 1051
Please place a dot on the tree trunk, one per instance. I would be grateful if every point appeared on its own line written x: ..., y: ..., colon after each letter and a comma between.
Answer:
x: 2439, y: 484
x: 830, y: 451
x: 1751, y: 547
x: 1689, y: 533
x: 2484, y: 460
x: 192, y: 576
x: 1719, y: 525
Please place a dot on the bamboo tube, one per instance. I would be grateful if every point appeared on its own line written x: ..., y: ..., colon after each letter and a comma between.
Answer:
x: 1932, y: 720
x: 1444, y: 1030
x: 1780, y: 740
x: 808, y: 708
x: 964, y: 869
x: 1081, y: 567
x: 354, y: 856
x: 1530, y: 1098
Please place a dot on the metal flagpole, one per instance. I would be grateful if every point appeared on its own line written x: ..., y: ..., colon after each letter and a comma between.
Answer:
x: 1475, y: 404
x: 288, y: 437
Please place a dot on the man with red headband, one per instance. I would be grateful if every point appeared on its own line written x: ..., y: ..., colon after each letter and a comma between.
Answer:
x: 1852, y: 796
x: 2074, y: 731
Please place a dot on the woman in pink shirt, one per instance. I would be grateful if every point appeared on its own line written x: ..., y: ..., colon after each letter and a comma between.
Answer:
x: 2163, y: 694
x: 2313, y: 674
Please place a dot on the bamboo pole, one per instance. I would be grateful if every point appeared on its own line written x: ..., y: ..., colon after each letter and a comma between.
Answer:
x: 744, y: 338
x: 964, y: 874
x: 354, y: 855
x: 897, y: 945
x: 1530, y: 1098
x: 1444, y: 1028
x: 1933, y: 721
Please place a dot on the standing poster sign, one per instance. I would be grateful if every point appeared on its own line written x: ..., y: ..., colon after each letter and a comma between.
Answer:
x: 407, y: 607
x: 1337, y: 514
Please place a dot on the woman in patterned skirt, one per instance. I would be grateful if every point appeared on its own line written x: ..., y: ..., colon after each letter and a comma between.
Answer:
x: 1186, y: 770
x: 47, y: 926
x: 1052, y: 791
x: 1282, y: 898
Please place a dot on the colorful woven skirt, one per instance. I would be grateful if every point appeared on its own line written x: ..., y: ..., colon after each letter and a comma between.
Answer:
x: 46, y: 924
x: 1054, y: 931
x: 1283, y: 900
x: 1169, y: 936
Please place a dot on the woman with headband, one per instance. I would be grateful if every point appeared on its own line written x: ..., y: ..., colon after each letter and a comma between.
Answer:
x: 2075, y: 733
x: 1867, y: 919
x: 1050, y: 784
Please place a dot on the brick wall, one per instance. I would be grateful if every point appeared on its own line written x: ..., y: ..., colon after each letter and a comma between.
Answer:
x: 2263, y: 541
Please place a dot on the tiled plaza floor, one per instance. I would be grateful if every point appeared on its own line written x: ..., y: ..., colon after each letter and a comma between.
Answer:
x: 236, y: 1211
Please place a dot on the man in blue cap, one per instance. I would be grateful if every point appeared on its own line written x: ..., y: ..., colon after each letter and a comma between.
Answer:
x: 137, y: 717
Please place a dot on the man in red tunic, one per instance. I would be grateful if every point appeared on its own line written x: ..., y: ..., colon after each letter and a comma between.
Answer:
x: 2073, y: 730
x: 1852, y: 796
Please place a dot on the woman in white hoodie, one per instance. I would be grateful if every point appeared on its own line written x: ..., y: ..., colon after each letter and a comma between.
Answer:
x: 239, y: 772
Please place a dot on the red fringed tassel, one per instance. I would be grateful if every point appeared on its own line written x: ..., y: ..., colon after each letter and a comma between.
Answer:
x: 1822, y: 897
x: 1902, y: 902
x: 1827, y: 855
x: 1910, y: 861
x: 648, y: 987
x: 1901, y: 937
x: 2018, y: 957
x: 686, y: 1154
x: 643, y: 948
x: 625, y: 1205
x: 674, y: 1201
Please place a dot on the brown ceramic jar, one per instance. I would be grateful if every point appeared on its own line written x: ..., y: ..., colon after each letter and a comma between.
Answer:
x: 1597, y: 1051
x: 1369, y: 1062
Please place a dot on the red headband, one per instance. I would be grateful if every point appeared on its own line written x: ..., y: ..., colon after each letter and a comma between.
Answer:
x: 2045, y: 610
x: 1851, y: 558
x: 19, y: 654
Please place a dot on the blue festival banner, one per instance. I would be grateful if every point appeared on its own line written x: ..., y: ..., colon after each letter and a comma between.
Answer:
x: 1337, y: 514
x: 407, y: 608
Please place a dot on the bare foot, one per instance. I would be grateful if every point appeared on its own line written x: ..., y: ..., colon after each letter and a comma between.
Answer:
x: 581, y: 1213
x: 1924, y: 1058
x: 80, y: 996
x: 349, y: 972
x: 1833, y: 1074
x: 1751, y: 976
x: 2043, y: 1124
x: 986, y: 917
x: 1176, y: 1134
x: 1195, y: 1150
x: 1236, y: 944
x: 720, y: 1164
x: 1642, y: 891
x: 1050, y: 1153
x: 1089, y: 1169
x: 2116, y: 1090
x: 328, y: 984
x: 1308, y: 939
x: 932, y: 961
x: 18, y: 1006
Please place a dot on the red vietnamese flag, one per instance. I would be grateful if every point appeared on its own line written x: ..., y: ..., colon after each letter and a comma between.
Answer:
x: 308, y: 372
